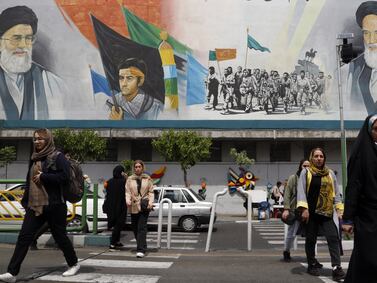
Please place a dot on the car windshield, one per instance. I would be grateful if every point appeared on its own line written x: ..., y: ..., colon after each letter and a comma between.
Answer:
x: 196, y: 195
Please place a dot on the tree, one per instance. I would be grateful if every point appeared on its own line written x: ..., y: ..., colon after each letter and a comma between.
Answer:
x: 82, y: 145
x: 7, y: 156
x: 128, y: 166
x: 186, y: 147
x: 241, y: 157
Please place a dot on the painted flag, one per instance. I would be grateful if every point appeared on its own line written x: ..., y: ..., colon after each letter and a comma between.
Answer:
x: 170, y: 73
x: 253, y: 44
x: 114, y: 48
x: 196, y: 75
x: 99, y: 84
x: 148, y: 34
x: 212, y: 55
x: 225, y: 54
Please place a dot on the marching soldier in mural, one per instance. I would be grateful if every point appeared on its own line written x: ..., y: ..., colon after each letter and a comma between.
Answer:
x: 363, y: 70
x: 213, y: 88
x: 293, y: 92
x: 237, y: 83
x: 284, y: 90
x: 133, y: 103
x: 27, y: 90
x: 228, y: 90
x: 304, y: 89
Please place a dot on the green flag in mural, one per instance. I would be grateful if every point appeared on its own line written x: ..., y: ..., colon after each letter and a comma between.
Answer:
x: 253, y: 44
x: 148, y: 34
x: 212, y: 55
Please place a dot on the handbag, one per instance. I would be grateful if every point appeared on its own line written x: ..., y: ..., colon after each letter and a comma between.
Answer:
x: 144, y: 205
x: 143, y: 201
x: 290, y: 219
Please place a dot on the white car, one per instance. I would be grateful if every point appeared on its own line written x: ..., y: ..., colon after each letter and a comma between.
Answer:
x: 13, y: 208
x: 189, y: 210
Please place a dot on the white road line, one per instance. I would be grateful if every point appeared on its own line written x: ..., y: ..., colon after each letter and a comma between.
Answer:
x: 272, y: 233
x: 183, y: 241
x: 129, y: 254
x: 269, y: 230
x: 172, y: 248
x: 174, y: 236
x: 175, y: 233
x: 327, y: 265
x: 245, y: 221
x: 101, y: 278
x: 301, y: 242
x: 126, y: 263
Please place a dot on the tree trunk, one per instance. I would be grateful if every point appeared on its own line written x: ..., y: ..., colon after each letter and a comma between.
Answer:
x: 185, y: 177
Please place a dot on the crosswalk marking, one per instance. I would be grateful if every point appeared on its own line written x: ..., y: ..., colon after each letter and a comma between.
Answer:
x: 175, y: 233
x: 126, y: 263
x: 183, y: 241
x: 101, y: 278
x: 301, y: 242
x: 130, y: 254
x: 172, y: 248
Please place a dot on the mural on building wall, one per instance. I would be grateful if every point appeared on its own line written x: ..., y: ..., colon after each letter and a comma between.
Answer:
x: 169, y: 60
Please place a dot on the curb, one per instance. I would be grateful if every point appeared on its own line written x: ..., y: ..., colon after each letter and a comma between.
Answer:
x: 78, y: 241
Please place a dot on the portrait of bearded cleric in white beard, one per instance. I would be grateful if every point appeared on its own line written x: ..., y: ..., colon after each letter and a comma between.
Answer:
x: 27, y: 90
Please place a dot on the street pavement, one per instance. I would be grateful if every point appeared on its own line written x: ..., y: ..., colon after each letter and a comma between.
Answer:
x: 227, y: 261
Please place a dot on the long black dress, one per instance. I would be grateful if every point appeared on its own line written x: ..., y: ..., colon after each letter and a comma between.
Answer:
x: 115, y: 203
x: 361, y: 208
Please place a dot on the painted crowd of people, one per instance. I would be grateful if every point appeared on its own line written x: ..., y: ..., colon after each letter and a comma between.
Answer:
x: 254, y: 90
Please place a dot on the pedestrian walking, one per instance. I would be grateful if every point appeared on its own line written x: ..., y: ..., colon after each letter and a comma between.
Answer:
x: 290, y: 203
x: 43, y: 202
x: 320, y: 201
x: 115, y: 206
x: 139, y: 198
x: 360, y: 211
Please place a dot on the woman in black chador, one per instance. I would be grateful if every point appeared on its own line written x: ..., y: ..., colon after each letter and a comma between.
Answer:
x: 115, y: 205
x: 360, y: 213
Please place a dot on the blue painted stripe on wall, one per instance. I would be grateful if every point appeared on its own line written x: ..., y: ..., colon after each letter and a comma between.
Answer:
x: 179, y: 124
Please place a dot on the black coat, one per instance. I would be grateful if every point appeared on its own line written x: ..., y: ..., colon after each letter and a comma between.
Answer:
x: 115, y: 201
x: 361, y: 208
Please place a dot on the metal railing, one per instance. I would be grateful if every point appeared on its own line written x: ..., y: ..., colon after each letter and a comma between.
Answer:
x: 249, y: 216
x: 159, y: 231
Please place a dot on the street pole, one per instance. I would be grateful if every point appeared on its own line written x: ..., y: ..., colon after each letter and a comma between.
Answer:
x: 343, y: 144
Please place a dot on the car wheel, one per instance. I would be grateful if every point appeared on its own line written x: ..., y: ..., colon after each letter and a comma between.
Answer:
x: 189, y: 223
x: 76, y: 222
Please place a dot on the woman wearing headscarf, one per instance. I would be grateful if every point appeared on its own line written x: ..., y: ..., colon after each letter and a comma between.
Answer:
x: 319, y: 199
x: 139, y: 187
x: 115, y: 205
x: 360, y: 213
x: 43, y: 202
x: 290, y: 202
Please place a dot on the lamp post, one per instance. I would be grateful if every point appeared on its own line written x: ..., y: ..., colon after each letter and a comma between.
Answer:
x: 344, y: 37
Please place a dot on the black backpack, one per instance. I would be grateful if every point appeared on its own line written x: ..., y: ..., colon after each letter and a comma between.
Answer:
x: 74, y: 189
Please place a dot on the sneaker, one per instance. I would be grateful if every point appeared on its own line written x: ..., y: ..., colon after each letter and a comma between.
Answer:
x: 7, y: 277
x: 317, y: 264
x: 114, y: 248
x: 139, y: 255
x: 338, y: 273
x: 287, y: 256
x: 72, y: 270
x: 119, y: 245
x: 312, y: 270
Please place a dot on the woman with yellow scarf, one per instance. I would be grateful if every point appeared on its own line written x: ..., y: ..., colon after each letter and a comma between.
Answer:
x: 319, y: 199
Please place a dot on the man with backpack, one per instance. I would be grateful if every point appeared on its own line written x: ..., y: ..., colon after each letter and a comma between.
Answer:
x: 44, y: 202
